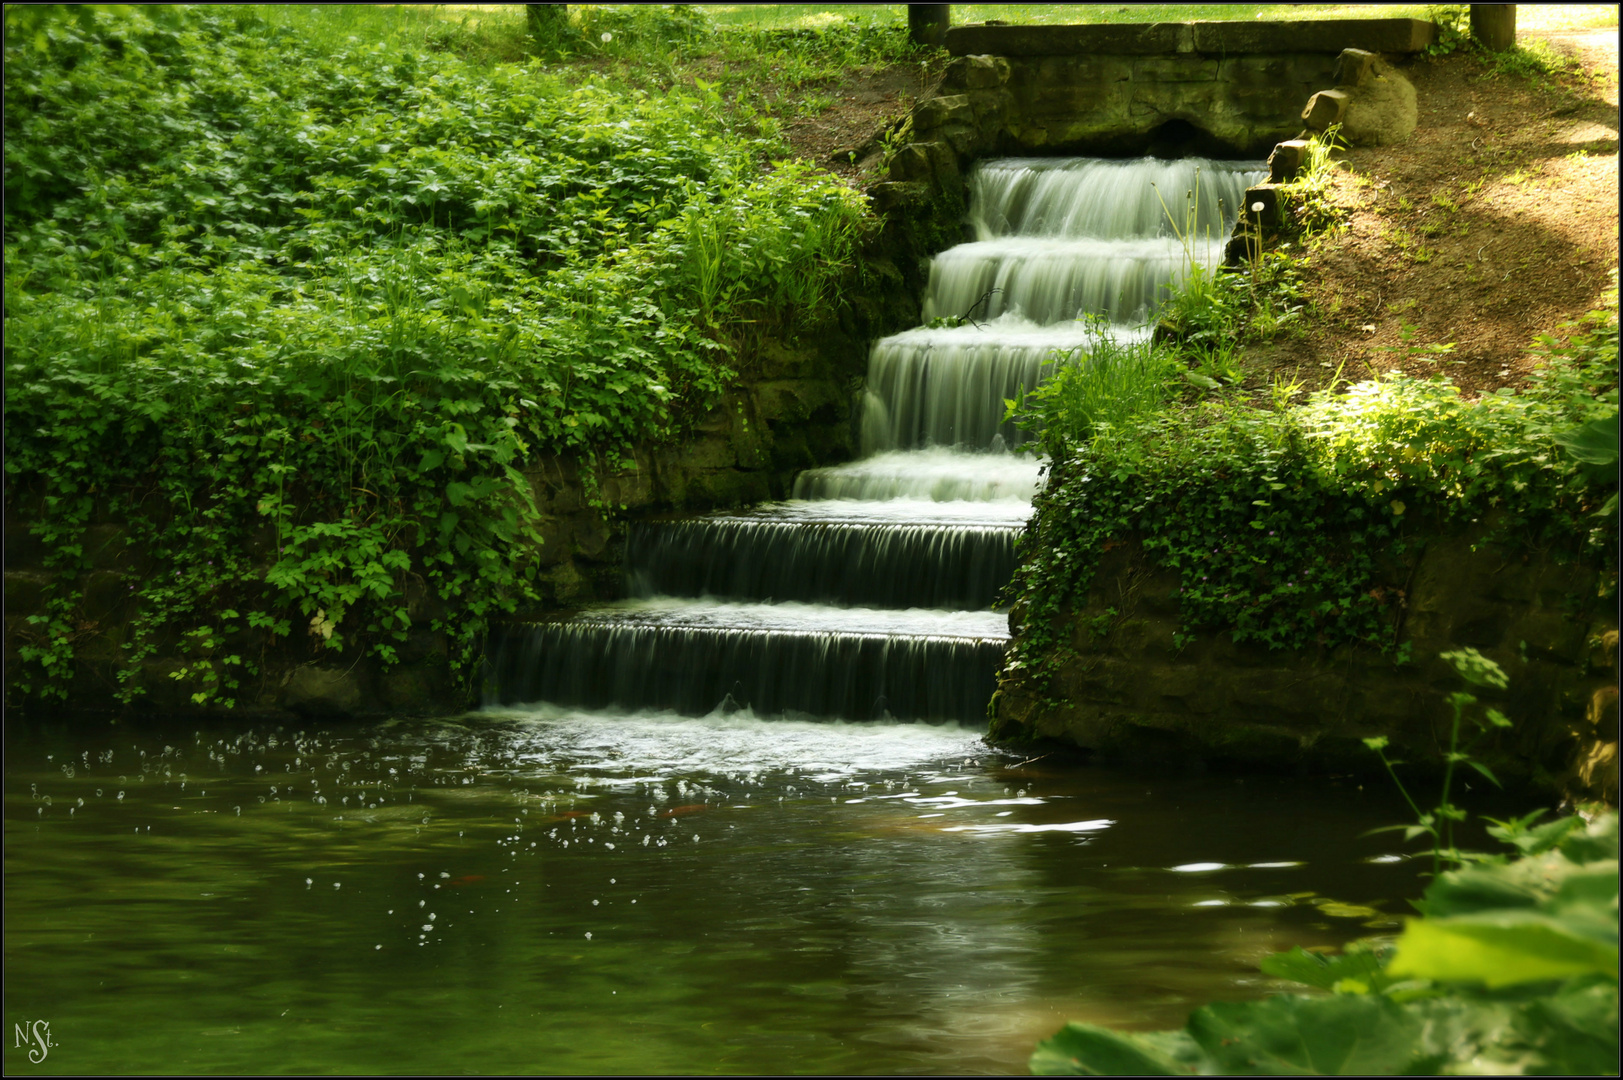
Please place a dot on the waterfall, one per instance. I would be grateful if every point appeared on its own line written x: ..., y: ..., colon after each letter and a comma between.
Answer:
x: 871, y: 593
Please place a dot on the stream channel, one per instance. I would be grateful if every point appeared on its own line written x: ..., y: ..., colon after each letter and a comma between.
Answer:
x: 742, y: 822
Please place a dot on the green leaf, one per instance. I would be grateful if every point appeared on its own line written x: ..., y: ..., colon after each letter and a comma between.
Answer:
x: 1500, y: 948
x: 432, y: 459
x: 1316, y: 969
x: 1345, y: 1035
x: 1086, y: 1050
x: 1594, y: 443
x: 1485, y: 771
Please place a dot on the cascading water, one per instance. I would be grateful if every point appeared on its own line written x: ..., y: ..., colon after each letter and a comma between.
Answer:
x: 870, y: 594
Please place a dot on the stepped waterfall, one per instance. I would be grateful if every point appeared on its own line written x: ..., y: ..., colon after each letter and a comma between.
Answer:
x: 872, y: 593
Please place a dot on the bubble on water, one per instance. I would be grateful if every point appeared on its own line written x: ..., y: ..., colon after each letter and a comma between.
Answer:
x: 427, y: 927
x: 609, y: 844
x: 419, y: 877
x: 443, y: 874
x: 98, y: 793
x: 594, y: 903
x: 695, y: 838
x: 588, y: 935
x: 633, y: 901
x: 120, y: 796
x: 422, y: 903
x: 338, y: 885
x: 432, y: 916
x: 309, y: 882
x: 238, y: 809
x: 377, y: 946
x: 566, y: 843
x: 645, y: 839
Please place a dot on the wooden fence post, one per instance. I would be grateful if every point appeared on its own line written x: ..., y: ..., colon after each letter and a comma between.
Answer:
x: 1494, y: 26
x: 927, y: 23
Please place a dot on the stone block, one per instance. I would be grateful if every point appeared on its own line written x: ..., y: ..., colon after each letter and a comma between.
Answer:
x: 894, y: 194
x: 937, y: 112
x: 1325, y: 108
x: 975, y: 73
x: 910, y: 162
x: 320, y: 691
x: 1143, y: 39
x: 1314, y: 36
x: 1165, y: 71
x: 1353, y: 66
x: 1549, y: 635
x: 23, y: 550
x: 1263, y: 205
x: 25, y: 591
x: 1382, y: 110
x: 1287, y: 161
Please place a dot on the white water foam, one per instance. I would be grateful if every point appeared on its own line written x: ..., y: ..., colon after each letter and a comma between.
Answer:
x: 939, y: 475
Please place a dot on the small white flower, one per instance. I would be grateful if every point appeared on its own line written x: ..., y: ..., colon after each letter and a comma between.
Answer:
x: 607, y: 37
x: 1256, y: 208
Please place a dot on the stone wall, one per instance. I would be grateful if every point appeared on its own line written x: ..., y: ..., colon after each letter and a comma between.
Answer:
x: 1130, y: 692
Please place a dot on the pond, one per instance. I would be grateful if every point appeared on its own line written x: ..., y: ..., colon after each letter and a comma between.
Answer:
x: 552, y: 890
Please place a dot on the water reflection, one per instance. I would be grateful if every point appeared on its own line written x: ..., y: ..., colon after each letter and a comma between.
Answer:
x: 555, y: 891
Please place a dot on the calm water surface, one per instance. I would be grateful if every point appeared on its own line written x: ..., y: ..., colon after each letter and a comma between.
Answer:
x: 552, y: 890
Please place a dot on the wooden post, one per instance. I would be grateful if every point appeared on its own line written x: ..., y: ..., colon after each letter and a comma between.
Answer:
x: 927, y: 23
x: 1494, y: 26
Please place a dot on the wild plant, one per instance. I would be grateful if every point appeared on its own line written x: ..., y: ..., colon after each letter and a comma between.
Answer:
x: 1438, y: 823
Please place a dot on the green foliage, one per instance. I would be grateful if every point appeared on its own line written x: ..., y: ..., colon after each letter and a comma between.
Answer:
x: 1306, y: 202
x: 1438, y: 823
x: 1512, y: 969
x: 1293, y: 528
x: 299, y: 315
x: 1100, y: 383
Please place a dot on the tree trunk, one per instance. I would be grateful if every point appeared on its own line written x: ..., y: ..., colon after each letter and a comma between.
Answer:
x: 927, y: 23
x: 1494, y: 26
x: 545, y: 18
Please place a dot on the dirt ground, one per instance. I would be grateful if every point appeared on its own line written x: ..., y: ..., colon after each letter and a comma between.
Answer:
x: 1496, y: 221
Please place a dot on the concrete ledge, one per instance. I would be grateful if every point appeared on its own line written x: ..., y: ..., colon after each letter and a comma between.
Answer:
x: 1224, y: 38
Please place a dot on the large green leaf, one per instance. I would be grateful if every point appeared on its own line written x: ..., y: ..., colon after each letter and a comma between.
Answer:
x: 1327, y: 972
x: 1345, y: 1035
x: 1501, y: 949
x: 1086, y: 1050
x: 1594, y: 443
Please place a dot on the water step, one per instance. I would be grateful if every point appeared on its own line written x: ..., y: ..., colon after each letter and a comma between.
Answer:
x: 1108, y: 199
x: 938, y: 474
x: 900, y: 553
x: 696, y: 656
x: 1050, y: 281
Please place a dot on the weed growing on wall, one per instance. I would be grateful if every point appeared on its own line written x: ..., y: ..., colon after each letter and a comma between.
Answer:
x: 297, y: 314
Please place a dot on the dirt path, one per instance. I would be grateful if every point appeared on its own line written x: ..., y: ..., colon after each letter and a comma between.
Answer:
x: 1495, y: 222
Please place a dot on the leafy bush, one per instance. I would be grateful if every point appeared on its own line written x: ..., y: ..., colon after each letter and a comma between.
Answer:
x: 1512, y: 970
x: 1285, y: 525
x: 327, y: 299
